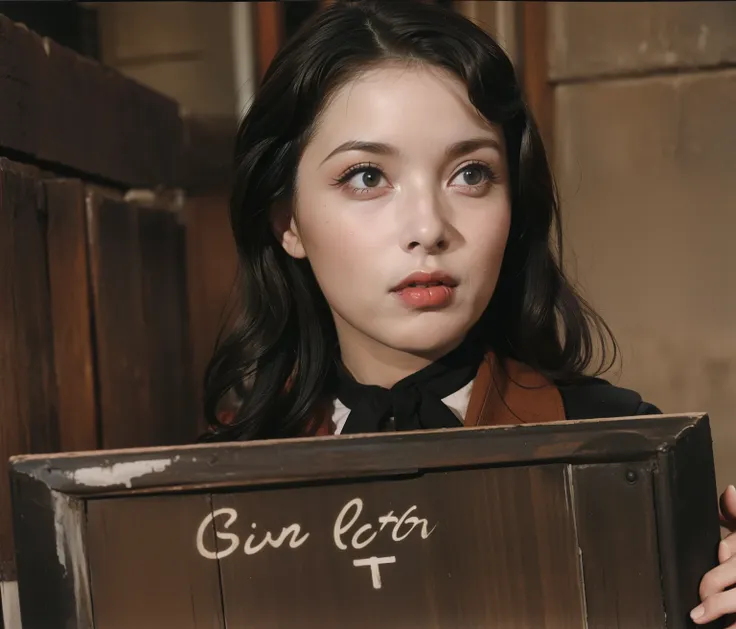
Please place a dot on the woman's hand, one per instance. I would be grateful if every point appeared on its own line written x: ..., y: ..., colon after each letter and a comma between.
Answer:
x: 718, y: 599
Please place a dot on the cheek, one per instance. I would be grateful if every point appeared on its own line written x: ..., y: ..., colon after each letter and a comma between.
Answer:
x: 488, y: 236
x: 487, y: 239
x: 336, y: 242
x: 340, y: 253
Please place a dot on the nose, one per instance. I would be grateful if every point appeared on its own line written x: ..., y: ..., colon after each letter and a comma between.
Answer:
x: 424, y: 225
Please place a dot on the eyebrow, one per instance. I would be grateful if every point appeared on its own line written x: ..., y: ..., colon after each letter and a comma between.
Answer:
x: 376, y: 148
x: 453, y: 151
x: 468, y: 146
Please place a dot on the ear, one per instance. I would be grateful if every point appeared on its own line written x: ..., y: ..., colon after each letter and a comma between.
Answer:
x: 283, y: 223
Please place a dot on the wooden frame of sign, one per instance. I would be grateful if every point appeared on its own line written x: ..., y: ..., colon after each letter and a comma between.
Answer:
x: 601, y: 523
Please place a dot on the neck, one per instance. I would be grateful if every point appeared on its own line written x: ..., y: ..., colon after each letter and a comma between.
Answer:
x: 372, y: 363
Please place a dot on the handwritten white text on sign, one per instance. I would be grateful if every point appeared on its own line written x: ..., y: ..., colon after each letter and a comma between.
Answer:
x: 348, y: 532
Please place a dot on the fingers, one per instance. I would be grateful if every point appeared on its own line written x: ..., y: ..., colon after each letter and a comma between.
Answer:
x: 717, y: 599
x: 728, y: 504
x: 727, y: 548
x: 722, y: 576
x: 714, y: 606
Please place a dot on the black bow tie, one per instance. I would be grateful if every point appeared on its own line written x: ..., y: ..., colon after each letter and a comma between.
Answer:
x: 415, y: 402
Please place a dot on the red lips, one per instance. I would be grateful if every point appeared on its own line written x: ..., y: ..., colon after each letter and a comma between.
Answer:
x: 423, y: 278
x: 423, y: 290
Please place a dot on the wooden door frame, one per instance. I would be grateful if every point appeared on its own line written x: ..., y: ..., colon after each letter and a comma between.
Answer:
x: 268, y: 33
x: 535, y: 67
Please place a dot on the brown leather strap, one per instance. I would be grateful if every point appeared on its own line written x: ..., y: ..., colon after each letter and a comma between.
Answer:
x: 323, y: 418
x: 512, y: 393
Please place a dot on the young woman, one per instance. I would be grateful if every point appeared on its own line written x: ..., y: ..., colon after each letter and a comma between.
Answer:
x: 399, y: 239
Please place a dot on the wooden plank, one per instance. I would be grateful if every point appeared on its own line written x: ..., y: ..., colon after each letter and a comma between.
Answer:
x: 464, y: 563
x: 268, y: 32
x: 71, y: 312
x: 69, y: 24
x: 12, y: 441
x: 115, y: 263
x: 62, y: 109
x: 385, y: 454
x: 686, y: 496
x: 177, y: 590
x: 28, y: 420
x: 53, y: 583
x: 138, y: 269
x: 535, y: 63
x: 618, y: 544
x: 165, y: 310
x: 212, y: 264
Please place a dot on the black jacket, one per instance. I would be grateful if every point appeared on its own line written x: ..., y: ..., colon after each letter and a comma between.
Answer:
x: 594, y: 398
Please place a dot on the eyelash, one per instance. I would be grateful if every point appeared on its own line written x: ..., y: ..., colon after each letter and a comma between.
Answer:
x: 490, y: 175
x: 354, y: 170
x: 488, y: 172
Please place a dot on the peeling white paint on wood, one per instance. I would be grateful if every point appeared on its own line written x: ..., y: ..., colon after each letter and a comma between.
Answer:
x: 69, y: 526
x: 117, y: 474
x: 570, y: 502
x: 11, y: 604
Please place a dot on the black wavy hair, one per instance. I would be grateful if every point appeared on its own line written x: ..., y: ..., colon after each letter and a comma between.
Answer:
x: 280, y: 354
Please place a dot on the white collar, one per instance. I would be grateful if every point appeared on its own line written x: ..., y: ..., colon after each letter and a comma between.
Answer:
x: 457, y: 402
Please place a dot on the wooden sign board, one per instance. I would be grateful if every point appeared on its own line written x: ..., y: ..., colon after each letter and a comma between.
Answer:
x: 605, y: 523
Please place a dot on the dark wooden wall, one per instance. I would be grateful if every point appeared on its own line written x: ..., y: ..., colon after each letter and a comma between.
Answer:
x: 97, y: 346
x: 94, y: 337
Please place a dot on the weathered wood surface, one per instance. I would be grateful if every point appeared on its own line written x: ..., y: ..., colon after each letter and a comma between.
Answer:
x: 63, y: 109
x: 138, y: 276
x: 132, y: 589
x: 28, y: 404
x: 94, y: 345
x: 579, y: 528
x: 74, y: 116
x: 51, y: 556
x: 234, y: 464
x: 212, y: 265
x: 684, y: 485
x: 66, y: 242
x: 483, y: 559
x: 615, y: 515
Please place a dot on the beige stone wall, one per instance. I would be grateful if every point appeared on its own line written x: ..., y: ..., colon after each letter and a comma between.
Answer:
x: 645, y: 148
x: 183, y: 49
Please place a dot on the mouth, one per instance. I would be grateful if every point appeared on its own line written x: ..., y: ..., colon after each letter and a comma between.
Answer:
x: 424, y: 279
x: 426, y: 291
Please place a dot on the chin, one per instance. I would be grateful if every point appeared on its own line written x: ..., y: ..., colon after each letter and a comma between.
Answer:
x: 435, y: 341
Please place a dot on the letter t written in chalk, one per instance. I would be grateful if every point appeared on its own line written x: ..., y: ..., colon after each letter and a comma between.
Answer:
x: 374, y: 563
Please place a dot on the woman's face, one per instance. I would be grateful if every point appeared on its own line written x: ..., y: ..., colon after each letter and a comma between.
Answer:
x: 402, y: 176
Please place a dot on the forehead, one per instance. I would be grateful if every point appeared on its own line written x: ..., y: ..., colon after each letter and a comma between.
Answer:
x: 401, y: 103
